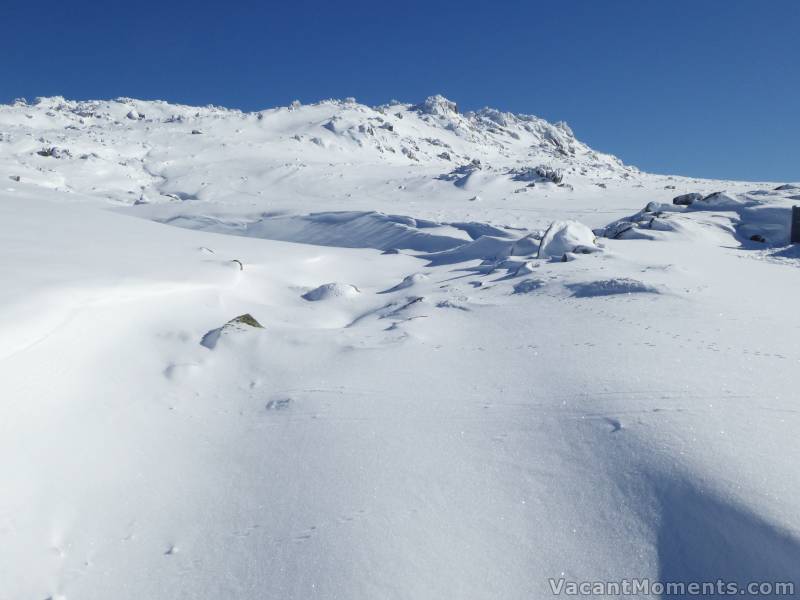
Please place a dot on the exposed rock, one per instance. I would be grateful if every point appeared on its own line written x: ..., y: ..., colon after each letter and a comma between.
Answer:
x: 55, y: 152
x: 540, y: 173
x: 687, y: 199
x: 567, y: 236
x: 241, y: 323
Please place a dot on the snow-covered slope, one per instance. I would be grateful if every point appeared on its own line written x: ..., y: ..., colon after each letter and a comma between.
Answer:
x: 390, y: 352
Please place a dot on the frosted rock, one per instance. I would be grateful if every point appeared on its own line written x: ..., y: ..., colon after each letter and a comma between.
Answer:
x: 567, y: 236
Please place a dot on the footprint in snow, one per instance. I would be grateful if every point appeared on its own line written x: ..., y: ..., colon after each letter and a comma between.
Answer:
x: 181, y: 371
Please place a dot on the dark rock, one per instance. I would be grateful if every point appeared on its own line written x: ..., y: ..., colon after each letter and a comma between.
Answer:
x: 245, y: 319
x: 757, y: 238
x: 55, y: 152
x: 240, y: 323
x: 687, y: 199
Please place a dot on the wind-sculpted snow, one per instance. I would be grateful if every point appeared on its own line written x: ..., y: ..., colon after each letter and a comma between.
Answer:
x: 610, y: 287
x: 404, y: 351
x: 343, y: 229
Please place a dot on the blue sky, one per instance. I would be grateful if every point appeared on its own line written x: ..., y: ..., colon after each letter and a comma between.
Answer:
x: 704, y: 87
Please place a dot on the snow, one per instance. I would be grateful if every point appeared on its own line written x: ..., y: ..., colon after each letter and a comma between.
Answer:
x: 432, y: 407
x: 566, y: 236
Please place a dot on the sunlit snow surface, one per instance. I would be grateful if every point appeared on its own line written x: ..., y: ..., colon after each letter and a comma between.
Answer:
x: 431, y: 409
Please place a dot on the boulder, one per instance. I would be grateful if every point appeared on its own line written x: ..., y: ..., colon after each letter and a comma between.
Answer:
x: 687, y: 199
x: 241, y: 323
x: 567, y: 237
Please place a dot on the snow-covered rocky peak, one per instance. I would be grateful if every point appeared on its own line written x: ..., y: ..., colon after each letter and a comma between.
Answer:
x: 153, y: 151
x: 437, y: 105
x: 413, y: 132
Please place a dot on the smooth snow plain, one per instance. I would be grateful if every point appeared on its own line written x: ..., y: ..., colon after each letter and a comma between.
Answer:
x: 472, y: 375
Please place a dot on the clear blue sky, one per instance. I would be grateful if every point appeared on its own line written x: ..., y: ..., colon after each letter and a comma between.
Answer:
x: 701, y: 87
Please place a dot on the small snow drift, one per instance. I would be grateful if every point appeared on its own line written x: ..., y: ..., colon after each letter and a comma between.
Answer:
x: 610, y: 287
x: 241, y: 323
x: 345, y: 229
x: 331, y: 290
x: 717, y: 200
x: 567, y: 236
x: 408, y: 281
x: 526, y: 286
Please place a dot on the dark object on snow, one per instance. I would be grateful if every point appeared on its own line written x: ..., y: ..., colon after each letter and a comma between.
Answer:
x: 239, y: 323
x: 795, y: 238
x: 687, y: 199
x: 196, y: 132
x: 391, y: 251
x: 14, y: 178
x: 55, y: 152
x: 245, y: 319
x: 534, y: 174
x: 237, y: 261
x: 757, y: 238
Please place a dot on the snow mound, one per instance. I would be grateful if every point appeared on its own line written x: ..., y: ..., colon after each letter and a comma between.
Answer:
x: 717, y: 200
x: 408, y: 281
x: 331, y: 290
x: 567, y: 236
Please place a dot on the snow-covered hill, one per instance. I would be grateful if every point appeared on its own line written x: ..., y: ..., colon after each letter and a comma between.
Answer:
x: 335, y: 351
